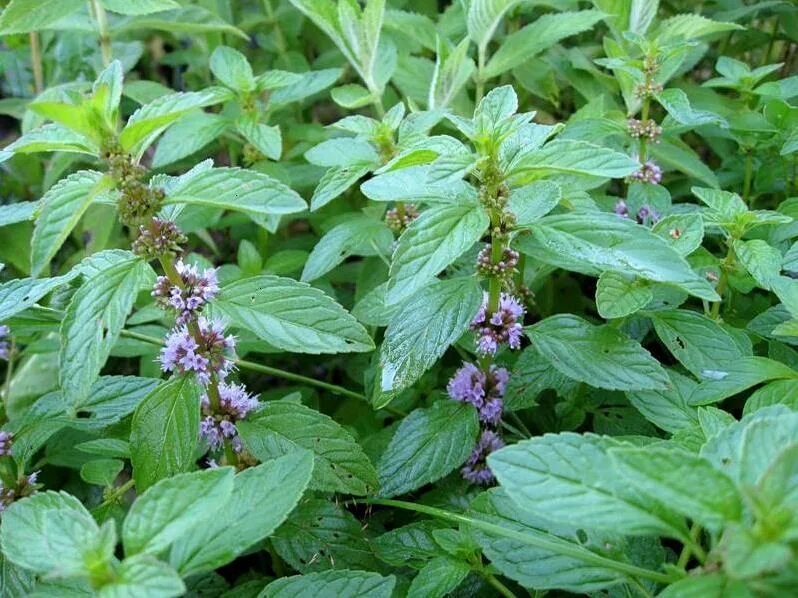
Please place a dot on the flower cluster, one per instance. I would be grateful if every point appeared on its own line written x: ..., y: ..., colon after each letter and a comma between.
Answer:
x: 476, y: 469
x: 645, y: 215
x: 483, y: 389
x: 160, y: 238
x: 503, y: 326
x: 138, y: 202
x: 6, y: 441
x: 235, y: 403
x: 5, y: 346
x: 398, y: 219
x: 649, y: 173
x: 205, y: 356
x: 644, y: 128
x: 504, y: 268
x: 26, y: 486
x: 194, y: 290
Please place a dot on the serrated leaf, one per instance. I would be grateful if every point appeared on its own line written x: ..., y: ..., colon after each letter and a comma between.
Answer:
x: 484, y: 17
x: 530, y: 566
x: 686, y: 482
x: 322, y: 535
x: 188, y: 135
x: 336, y: 181
x: 539, y: 36
x: 423, y: 329
x: 62, y: 207
x: 143, y: 574
x: 564, y: 478
x: 677, y: 104
x: 232, y: 68
x: 600, y: 242
x: 22, y: 16
x: 188, y: 19
x: 171, y: 508
x: 339, y: 464
x: 19, y: 294
x: 262, y: 498
x: 237, y: 189
x: 567, y: 157
x: 139, y: 7
x: 164, y: 432
x: 438, y: 578
x: 618, y: 296
x: 432, y: 242
x: 428, y: 444
x: 50, y: 138
x: 600, y: 356
x: 344, y: 584
x: 93, y: 321
x: 267, y: 139
x: 292, y: 316
x: 149, y: 121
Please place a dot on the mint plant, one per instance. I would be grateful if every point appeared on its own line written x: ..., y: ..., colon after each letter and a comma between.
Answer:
x: 320, y: 297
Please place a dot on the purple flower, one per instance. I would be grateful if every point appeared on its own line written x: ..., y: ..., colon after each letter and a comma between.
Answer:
x: 204, y: 356
x: 647, y: 215
x: 476, y: 469
x: 6, y: 441
x: 484, y: 390
x: 622, y: 209
x: 649, y: 173
x: 5, y: 347
x: 235, y: 403
x: 503, y: 326
x: 194, y: 291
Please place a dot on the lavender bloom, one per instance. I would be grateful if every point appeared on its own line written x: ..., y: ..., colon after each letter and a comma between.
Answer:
x: 483, y: 390
x: 622, y: 209
x: 476, y: 469
x: 235, y: 403
x: 649, y: 173
x: 194, y: 291
x: 501, y: 327
x: 183, y: 353
x: 5, y: 347
x: 647, y: 215
x: 6, y: 441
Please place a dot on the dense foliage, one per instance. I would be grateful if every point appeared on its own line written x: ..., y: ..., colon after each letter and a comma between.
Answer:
x: 320, y: 298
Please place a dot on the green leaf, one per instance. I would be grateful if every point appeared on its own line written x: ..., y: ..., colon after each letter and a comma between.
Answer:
x: 335, y: 182
x: 601, y: 242
x: 292, y: 316
x: 568, y: 157
x: 453, y: 69
x: 232, y: 68
x: 601, y: 356
x: 438, y: 578
x: 152, y: 119
x: 689, y: 27
x: 93, y: 321
x: 413, y: 545
x: 356, y: 236
x: 484, y: 17
x: 339, y: 464
x: 676, y: 102
x: 529, y: 565
x: 22, y: 16
x: 343, y: 584
x: 188, y: 19
x: 419, y: 334
x: 19, y: 294
x: 570, y: 479
x: 668, y: 409
x: 539, y: 36
x: 170, y: 509
x: 142, y: 575
x: 618, y: 296
x: 428, y: 444
x: 164, y: 432
x: 712, y: 585
x: 322, y: 535
x: 531, y: 202
x: 139, y: 7
x: 236, y: 189
x: 343, y: 151
x: 262, y: 498
x: 432, y: 242
x: 52, y: 532
x: 267, y: 139
x: 674, y: 153
x: 101, y: 472
x: 686, y: 482
x: 732, y: 377
x: 22, y: 211
x: 50, y: 138
x: 189, y: 134
x: 699, y: 343
x: 308, y: 84
x: 62, y: 207
x: 683, y: 232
